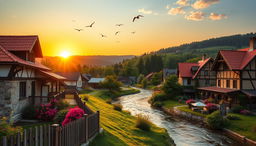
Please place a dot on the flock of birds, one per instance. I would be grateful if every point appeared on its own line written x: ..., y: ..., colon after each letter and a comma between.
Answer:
x: 118, y: 25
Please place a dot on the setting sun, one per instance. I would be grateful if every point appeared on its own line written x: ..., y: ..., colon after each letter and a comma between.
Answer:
x: 65, y: 54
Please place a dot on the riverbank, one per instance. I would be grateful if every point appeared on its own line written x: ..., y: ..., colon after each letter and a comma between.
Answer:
x: 239, y: 130
x: 119, y: 126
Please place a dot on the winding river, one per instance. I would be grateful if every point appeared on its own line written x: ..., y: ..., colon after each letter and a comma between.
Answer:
x: 182, y: 132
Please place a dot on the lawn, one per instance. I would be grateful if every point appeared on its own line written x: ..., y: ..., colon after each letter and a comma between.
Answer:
x: 171, y: 103
x: 105, y: 94
x: 245, y: 126
x: 186, y: 109
x: 120, y: 128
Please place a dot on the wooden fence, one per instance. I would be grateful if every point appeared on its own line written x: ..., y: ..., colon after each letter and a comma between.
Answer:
x: 72, y: 134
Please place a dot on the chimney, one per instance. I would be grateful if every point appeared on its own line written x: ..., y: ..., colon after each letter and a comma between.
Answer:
x: 252, y: 43
x: 204, y: 57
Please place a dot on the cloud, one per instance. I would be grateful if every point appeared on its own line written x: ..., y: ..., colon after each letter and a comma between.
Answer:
x: 145, y: 11
x: 167, y: 7
x: 195, y: 16
x: 175, y: 11
x: 202, y: 4
x: 215, y: 16
x: 183, y: 2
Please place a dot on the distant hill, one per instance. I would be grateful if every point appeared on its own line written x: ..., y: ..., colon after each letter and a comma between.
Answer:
x: 211, y: 46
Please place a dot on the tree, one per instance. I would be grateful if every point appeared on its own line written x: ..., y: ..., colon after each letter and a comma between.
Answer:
x: 144, y: 83
x: 111, y: 84
x: 171, y: 86
x: 140, y: 78
x: 141, y: 66
x: 156, y: 78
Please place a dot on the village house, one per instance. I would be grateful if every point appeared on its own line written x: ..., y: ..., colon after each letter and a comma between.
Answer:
x: 75, y: 79
x: 23, y: 81
x: 235, y: 77
x: 95, y: 82
x: 196, y: 75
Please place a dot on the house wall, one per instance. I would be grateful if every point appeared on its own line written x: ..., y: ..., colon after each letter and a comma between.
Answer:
x: 4, y: 70
x: 223, y: 76
x: 26, y: 73
x: 79, y: 82
x: 206, y: 77
x: 249, y: 76
x: 11, y: 103
x: 70, y: 83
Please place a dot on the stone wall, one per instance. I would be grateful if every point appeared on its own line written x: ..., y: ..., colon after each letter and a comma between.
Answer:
x: 10, y: 103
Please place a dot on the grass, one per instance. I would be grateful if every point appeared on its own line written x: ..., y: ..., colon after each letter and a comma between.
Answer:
x: 105, y: 94
x: 187, y: 109
x: 171, y: 103
x: 120, y: 128
x: 244, y: 126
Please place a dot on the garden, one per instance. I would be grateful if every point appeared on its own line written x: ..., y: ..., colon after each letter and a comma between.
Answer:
x: 56, y: 111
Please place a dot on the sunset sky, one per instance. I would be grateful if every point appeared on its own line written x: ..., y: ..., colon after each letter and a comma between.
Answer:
x: 165, y: 23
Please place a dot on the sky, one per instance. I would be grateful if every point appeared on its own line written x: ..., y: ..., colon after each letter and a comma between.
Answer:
x: 165, y: 23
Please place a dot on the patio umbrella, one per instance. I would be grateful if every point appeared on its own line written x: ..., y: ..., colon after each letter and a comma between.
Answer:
x: 198, y: 104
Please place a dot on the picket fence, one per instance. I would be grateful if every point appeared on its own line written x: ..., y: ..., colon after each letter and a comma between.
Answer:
x: 73, y: 134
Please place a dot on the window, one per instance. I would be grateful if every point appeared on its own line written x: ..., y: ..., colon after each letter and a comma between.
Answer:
x: 206, y: 73
x: 234, y: 83
x: 228, y: 83
x: 189, y: 81
x: 219, y: 83
x: 22, y: 89
x: 207, y: 82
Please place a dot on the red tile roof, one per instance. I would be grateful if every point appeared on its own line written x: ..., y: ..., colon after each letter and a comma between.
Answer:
x: 21, y: 43
x: 7, y: 57
x: 238, y: 59
x: 184, y: 69
x: 217, y: 89
x: 53, y: 75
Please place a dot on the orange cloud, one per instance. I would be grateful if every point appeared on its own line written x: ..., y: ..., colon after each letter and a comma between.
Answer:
x: 175, y: 11
x: 215, y: 16
x: 195, y: 16
x: 183, y: 2
x: 202, y: 4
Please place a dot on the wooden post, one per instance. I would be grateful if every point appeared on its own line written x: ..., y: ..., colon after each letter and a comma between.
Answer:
x: 55, y: 135
x: 98, y: 112
x: 86, y: 127
x: 4, y: 140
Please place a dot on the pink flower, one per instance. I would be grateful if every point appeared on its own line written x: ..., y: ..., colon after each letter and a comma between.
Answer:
x: 73, y: 114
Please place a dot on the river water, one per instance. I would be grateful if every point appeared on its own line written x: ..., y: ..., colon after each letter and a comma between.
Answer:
x: 183, y: 133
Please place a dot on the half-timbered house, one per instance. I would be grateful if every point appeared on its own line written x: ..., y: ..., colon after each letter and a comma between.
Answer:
x: 235, y: 76
x: 23, y: 81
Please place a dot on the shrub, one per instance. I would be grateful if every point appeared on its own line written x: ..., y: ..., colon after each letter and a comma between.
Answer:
x: 245, y: 112
x: 143, y: 122
x: 60, y: 116
x: 233, y: 117
x: 73, y: 114
x: 216, y: 121
x: 118, y: 107
x: 158, y: 96
x: 211, y: 107
x: 171, y: 87
x: 111, y: 83
x: 45, y: 112
x: 29, y: 112
x: 236, y: 109
x: 62, y: 104
x: 190, y: 101
x: 254, y: 129
x: 109, y: 101
x: 7, y: 129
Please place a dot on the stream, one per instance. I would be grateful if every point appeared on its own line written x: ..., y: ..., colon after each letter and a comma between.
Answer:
x: 183, y: 133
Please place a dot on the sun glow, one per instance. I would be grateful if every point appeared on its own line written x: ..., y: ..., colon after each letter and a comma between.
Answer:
x: 65, y: 54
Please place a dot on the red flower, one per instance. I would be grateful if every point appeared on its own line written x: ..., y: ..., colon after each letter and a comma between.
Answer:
x: 73, y: 114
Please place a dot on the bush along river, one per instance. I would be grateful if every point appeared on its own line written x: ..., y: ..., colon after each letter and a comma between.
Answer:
x: 183, y: 133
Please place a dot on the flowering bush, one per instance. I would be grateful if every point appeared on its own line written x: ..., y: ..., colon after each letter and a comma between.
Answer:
x: 206, y: 101
x: 189, y: 101
x: 211, y: 107
x: 45, y: 112
x: 6, y: 129
x: 53, y: 102
x: 73, y: 114
x: 245, y: 112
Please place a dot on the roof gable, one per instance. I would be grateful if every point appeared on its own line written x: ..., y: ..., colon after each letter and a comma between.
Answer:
x: 21, y: 43
x: 184, y: 69
x: 71, y: 76
x: 201, y: 65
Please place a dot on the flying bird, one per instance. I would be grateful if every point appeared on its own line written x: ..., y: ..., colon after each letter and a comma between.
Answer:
x: 90, y: 24
x: 102, y: 35
x: 78, y: 29
x: 133, y: 32
x: 119, y: 24
x: 117, y: 32
x: 136, y: 17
